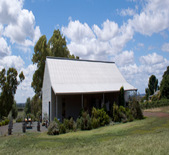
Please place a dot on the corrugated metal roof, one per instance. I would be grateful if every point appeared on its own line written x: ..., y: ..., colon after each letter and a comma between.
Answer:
x: 84, y: 76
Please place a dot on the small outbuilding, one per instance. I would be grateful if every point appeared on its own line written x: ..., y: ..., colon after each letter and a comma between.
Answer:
x: 70, y: 85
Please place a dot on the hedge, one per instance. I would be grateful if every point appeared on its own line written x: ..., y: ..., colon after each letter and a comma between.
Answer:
x: 154, y: 104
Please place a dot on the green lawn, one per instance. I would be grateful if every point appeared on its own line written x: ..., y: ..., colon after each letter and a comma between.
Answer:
x: 148, y: 136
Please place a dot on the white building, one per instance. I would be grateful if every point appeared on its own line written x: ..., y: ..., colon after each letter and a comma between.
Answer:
x: 70, y: 85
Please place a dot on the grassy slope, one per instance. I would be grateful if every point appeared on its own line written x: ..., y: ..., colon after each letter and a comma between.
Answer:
x: 148, y: 136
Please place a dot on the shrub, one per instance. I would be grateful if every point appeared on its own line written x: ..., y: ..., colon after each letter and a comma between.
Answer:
x: 85, y: 121
x: 53, y: 128
x: 66, y: 123
x: 3, y: 123
x: 130, y: 118
x: 136, y: 110
x: 6, y: 121
x: 71, y: 124
x: 95, y: 123
x: 99, y: 118
x: 154, y: 104
x: 57, y: 121
x: 62, y: 129
x: 78, y: 123
x: 121, y: 114
x: 19, y: 119
x: 104, y: 118
x: 129, y: 115
x: 0, y: 123
x: 115, y: 113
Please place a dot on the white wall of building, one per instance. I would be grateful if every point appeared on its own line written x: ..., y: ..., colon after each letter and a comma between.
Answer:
x: 46, y: 92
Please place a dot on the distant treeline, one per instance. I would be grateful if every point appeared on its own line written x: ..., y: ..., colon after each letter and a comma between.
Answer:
x: 20, y: 106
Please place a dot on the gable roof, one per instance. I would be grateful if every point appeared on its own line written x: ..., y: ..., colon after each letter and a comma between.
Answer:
x: 84, y: 76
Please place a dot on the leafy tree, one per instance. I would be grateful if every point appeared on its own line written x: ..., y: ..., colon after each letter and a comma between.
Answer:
x: 55, y: 47
x: 14, y: 110
x: 36, y: 105
x: 8, y: 85
x: 121, y: 97
x: 41, y: 50
x: 147, y: 93
x: 27, y: 108
x: 166, y: 72
x: 153, y: 84
x: 164, y: 86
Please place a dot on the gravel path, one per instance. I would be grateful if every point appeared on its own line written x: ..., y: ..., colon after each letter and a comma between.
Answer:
x: 17, y: 128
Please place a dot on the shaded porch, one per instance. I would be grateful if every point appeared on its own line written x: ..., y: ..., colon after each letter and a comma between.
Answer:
x: 70, y: 105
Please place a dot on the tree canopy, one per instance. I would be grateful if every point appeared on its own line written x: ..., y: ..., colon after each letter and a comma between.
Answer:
x: 121, y: 97
x: 8, y: 85
x: 153, y: 84
x: 164, y: 86
x: 56, y: 47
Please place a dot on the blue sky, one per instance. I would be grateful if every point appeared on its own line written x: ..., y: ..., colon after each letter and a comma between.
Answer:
x: 133, y: 33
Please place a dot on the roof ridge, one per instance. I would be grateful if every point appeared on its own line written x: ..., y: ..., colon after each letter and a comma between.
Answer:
x: 63, y: 58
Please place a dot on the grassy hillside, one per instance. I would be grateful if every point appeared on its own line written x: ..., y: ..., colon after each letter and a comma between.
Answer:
x: 148, y: 136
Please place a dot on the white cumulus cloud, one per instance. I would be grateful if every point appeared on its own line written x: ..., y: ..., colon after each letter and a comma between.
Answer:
x: 9, y: 10
x: 153, y: 18
x: 4, y: 48
x: 125, y: 58
x: 165, y: 47
x: 151, y: 59
x: 77, y: 31
x: 19, y: 23
x: 11, y: 61
x: 25, y: 90
x: 97, y: 43
x: 127, y: 12
x: 108, y: 31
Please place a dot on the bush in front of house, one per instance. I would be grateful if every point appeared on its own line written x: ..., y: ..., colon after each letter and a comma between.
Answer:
x: 99, y: 118
x: 69, y: 124
x: 84, y: 122
x: 129, y: 115
x: 3, y: 123
x: 115, y: 113
x: 6, y: 121
x: 136, y: 109
x: 62, y: 129
x: 66, y: 123
x: 53, y: 128
x: 95, y: 123
x: 121, y: 114
x: 66, y: 126
x: 57, y: 121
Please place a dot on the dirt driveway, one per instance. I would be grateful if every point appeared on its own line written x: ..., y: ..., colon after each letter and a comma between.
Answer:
x: 157, y: 112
